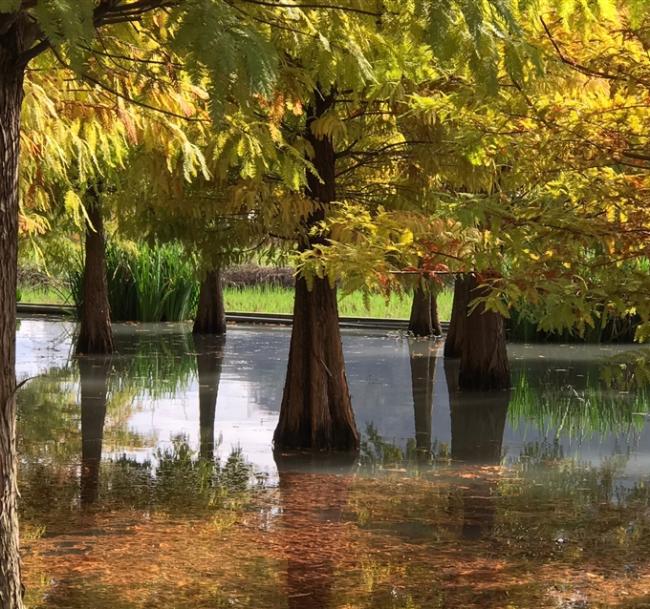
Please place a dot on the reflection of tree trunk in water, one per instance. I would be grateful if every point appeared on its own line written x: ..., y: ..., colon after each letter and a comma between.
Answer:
x: 210, y: 314
x: 93, y: 378
x: 209, y: 360
x: 316, y: 412
x: 313, y: 497
x: 95, y: 335
x: 477, y: 426
x: 423, y: 370
x: 456, y: 330
x: 484, y: 357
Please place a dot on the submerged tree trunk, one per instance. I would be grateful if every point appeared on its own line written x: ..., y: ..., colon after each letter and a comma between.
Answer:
x: 316, y: 412
x: 11, y: 95
x: 93, y: 378
x: 211, y: 314
x: 484, y: 358
x: 95, y: 335
x: 456, y: 330
x: 209, y: 360
x: 423, y: 370
x: 420, y: 320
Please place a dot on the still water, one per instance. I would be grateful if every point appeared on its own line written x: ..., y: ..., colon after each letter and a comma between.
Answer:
x: 148, y: 479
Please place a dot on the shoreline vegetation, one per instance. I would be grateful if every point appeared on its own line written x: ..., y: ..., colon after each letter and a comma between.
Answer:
x: 251, y: 289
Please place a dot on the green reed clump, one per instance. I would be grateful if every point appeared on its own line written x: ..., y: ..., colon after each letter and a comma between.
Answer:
x: 145, y: 283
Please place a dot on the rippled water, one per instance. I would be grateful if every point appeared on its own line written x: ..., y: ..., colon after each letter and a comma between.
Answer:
x: 148, y: 478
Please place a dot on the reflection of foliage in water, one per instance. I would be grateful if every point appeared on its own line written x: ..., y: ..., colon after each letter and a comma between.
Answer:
x: 628, y: 370
x: 48, y: 417
x: 151, y: 365
x: 157, y: 364
x: 561, y: 406
x: 176, y: 481
x: 377, y: 452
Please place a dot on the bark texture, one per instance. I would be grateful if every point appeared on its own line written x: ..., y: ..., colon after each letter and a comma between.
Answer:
x: 11, y: 95
x: 95, y: 335
x: 423, y: 370
x: 211, y: 313
x: 420, y: 319
x: 436, y: 326
x: 93, y: 378
x: 209, y: 361
x: 316, y: 412
x: 456, y: 330
x: 424, y: 320
x: 484, y: 358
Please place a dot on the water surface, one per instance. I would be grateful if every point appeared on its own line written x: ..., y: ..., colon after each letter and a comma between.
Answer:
x: 148, y: 478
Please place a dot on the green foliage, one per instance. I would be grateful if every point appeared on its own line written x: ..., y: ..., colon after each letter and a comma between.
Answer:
x: 214, y: 38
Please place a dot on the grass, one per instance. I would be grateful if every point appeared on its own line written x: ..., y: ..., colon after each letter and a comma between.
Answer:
x: 263, y: 299
x: 44, y: 295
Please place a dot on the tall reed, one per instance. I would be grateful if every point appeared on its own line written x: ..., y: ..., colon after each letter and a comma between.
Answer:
x: 145, y: 283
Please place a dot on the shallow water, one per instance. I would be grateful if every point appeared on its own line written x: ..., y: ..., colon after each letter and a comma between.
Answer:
x: 534, y: 497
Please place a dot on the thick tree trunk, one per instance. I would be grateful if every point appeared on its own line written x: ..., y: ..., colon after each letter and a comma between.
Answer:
x: 316, y: 412
x: 211, y: 314
x: 456, y: 330
x: 93, y: 378
x: 11, y: 95
x: 484, y: 358
x: 420, y: 320
x: 423, y: 370
x: 95, y: 335
x: 209, y: 360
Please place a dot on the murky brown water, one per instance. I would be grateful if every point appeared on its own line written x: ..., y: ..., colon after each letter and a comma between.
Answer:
x: 148, y: 479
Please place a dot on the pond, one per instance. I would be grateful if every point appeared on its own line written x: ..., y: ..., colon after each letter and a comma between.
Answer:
x: 148, y: 478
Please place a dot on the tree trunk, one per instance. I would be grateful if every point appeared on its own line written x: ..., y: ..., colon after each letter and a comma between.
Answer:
x: 11, y: 95
x: 484, y: 358
x: 420, y: 320
x: 93, y: 378
x: 316, y: 412
x: 423, y: 370
x: 95, y: 335
x: 209, y: 360
x: 456, y: 330
x: 211, y: 314
x: 436, y: 326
